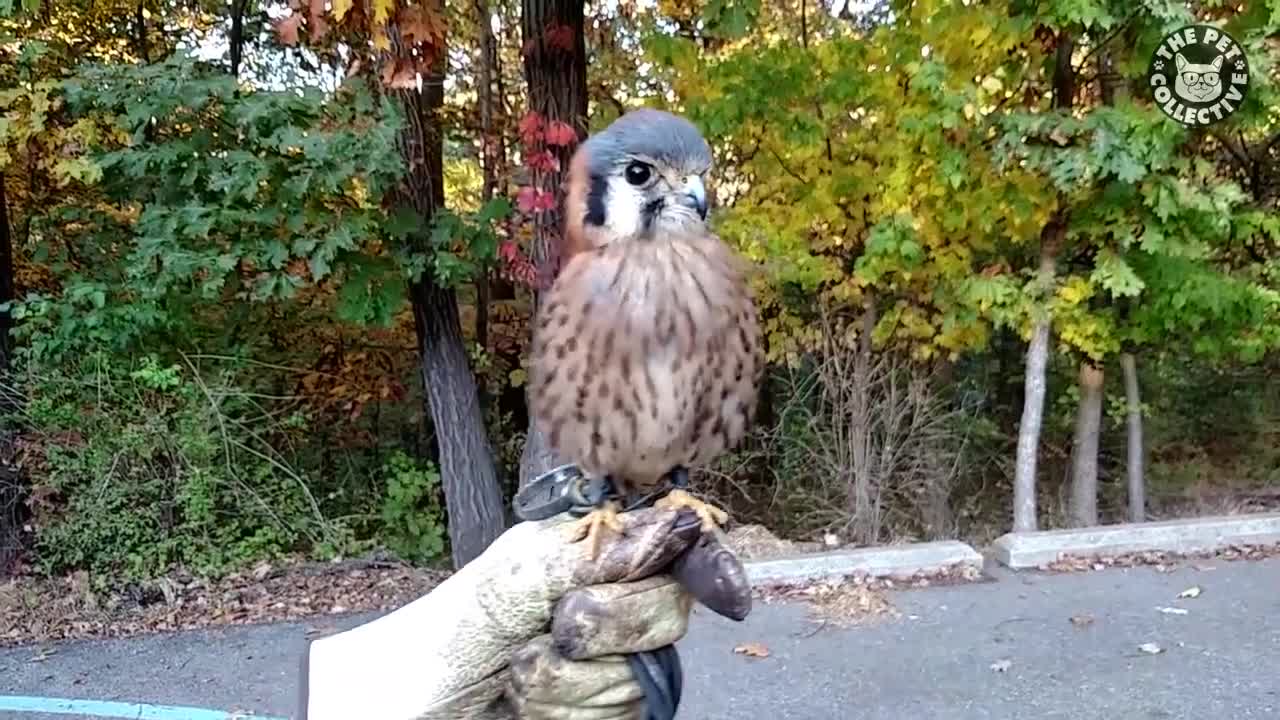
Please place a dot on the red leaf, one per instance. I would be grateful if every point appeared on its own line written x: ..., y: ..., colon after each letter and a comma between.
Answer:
x: 526, y: 198
x: 287, y: 29
x: 315, y: 21
x: 532, y: 200
x: 530, y: 128
x: 419, y: 24
x: 560, y: 36
x: 559, y: 133
x: 400, y: 74
x: 545, y: 201
x: 542, y: 160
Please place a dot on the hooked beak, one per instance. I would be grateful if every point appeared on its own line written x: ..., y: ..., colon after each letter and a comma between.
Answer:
x: 694, y: 195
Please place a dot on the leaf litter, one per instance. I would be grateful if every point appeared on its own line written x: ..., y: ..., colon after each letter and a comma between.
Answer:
x: 1161, y: 561
x: 752, y: 649
x: 858, y: 599
x: 36, y: 610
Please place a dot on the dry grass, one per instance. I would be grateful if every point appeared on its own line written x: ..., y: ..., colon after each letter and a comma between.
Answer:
x: 864, y: 446
x: 757, y: 542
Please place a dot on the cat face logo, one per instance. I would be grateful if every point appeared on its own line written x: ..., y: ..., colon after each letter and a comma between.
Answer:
x: 1199, y: 75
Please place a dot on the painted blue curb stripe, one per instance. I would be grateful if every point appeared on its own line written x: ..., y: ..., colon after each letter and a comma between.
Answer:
x: 104, y: 709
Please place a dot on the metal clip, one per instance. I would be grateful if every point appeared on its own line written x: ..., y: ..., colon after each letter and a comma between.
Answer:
x: 550, y: 494
x: 559, y: 490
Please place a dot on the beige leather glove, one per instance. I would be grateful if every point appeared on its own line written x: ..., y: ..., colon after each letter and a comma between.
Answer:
x: 530, y: 629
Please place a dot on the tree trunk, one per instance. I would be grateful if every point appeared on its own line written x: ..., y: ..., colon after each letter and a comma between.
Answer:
x: 6, y: 285
x: 1034, y: 387
x: 488, y: 160
x: 1024, y: 481
x: 1034, y: 380
x: 1084, y: 471
x: 557, y: 80
x: 471, y: 490
x: 1134, y: 468
x: 140, y: 25
x: 236, y: 38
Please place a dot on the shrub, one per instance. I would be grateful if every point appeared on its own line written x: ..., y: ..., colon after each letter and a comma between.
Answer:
x: 413, y: 524
x: 138, y: 466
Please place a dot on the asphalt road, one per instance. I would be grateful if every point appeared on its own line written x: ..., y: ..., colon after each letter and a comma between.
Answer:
x: 1219, y: 660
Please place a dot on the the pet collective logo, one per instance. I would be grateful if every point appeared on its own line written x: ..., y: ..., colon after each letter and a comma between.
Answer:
x: 1199, y: 75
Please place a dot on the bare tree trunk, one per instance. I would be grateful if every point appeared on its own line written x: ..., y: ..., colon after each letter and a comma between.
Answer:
x: 488, y: 161
x: 471, y: 489
x: 1034, y: 387
x: 1084, y: 470
x: 1136, y: 451
x: 556, y: 73
x: 6, y: 285
x: 1034, y: 381
x: 1024, y: 480
x: 236, y: 38
x: 140, y: 25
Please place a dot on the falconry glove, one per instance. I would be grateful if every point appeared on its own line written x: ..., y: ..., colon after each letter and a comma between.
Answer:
x: 530, y: 629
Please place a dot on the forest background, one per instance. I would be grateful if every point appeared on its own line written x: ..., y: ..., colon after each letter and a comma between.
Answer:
x: 268, y: 269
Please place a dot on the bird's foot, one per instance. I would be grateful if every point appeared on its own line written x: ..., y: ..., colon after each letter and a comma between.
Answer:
x: 711, y: 516
x: 592, y: 525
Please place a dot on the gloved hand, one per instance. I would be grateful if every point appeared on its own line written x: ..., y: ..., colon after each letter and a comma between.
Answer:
x: 530, y: 629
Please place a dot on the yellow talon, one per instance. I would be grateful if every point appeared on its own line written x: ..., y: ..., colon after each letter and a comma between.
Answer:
x: 589, y: 526
x: 710, y: 515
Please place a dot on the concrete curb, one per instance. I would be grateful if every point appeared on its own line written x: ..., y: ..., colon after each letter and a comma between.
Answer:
x: 1034, y: 549
x: 886, y: 561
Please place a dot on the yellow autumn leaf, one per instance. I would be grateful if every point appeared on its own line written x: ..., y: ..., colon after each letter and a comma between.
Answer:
x: 1075, y: 290
x: 340, y: 9
x: 381, y: 11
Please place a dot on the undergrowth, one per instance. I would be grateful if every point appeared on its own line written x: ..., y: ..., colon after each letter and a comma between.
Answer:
x: 137, y: 467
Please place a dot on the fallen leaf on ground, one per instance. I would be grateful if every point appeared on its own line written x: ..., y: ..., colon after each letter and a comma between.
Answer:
x: 752, y: 650
x: 1191, y: 592
x: 1173, y: 610
x: 37, y: 610
x: 1002, y: 665
x: 1082, y: 620
x: 1151, y: 648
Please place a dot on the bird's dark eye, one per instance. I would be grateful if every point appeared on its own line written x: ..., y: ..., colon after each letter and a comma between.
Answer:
x: 638, y: 173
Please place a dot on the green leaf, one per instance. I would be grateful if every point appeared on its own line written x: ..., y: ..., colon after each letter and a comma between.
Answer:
x: 1115, y: 275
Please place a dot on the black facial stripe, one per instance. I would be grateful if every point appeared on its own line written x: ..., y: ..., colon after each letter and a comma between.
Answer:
x: 596, y: 193
x: 650, y: 212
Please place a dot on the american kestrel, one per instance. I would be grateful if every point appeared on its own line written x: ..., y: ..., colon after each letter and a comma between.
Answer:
x: 647, y: 353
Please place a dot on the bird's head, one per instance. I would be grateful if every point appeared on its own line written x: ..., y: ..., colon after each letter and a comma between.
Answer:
x: 640, y: 178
